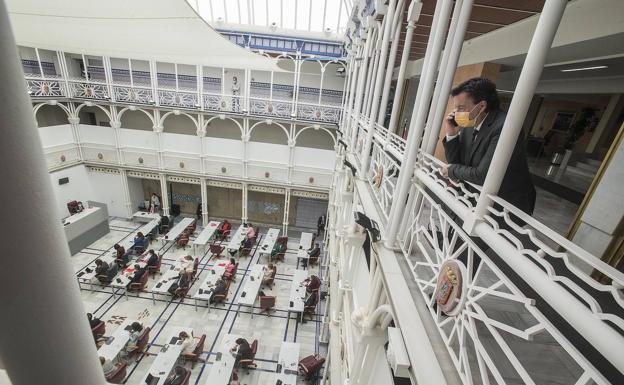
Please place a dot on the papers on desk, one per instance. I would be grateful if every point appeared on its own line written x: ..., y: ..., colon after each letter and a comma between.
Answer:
x: 206, y: 288
x: 269, y: 241
x: 206, y: 233
x: 237, y: 238
x: 252, y: 285
x: 145, y: 229
x: 176, y: 230
x: 288, y: 363
x: 168, y: 278
x: 142, y: 216
x: 166, y: 359
x: 116, y: 342
x: 297, y: 291
x: 88, y: 273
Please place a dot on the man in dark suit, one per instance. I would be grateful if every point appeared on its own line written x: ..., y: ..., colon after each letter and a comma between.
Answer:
x: 136, y: 276
x: 472, y: 133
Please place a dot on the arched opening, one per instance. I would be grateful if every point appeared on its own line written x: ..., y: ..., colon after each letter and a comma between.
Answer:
x: 136, y: 120
x: 179, y: 124
x: 51, y: 115
x: 269, y: 133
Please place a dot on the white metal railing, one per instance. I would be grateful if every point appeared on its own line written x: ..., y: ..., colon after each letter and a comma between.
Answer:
x: 495, y: 330
x: 55, y: 86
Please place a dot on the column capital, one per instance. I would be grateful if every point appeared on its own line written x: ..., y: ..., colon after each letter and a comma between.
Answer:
x: 73, y: 120
x: 115, y: 124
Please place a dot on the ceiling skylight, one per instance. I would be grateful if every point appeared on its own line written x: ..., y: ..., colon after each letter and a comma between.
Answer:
x: 305, y: 15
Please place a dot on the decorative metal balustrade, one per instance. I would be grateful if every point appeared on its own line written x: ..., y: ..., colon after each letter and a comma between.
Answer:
x: 494, y: 331
x: 497, y: 327
x: 260, y: 105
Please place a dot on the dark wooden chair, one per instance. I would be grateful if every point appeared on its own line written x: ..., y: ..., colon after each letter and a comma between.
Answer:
x: 247, y: 363
x: 118, y: 375
x: 99, y: 330
x: 310, y: 366
x: 194, y: 355
x: 216, y: 250
x: 267, y: 304
x: 140, y: 286
x: 155, y: 269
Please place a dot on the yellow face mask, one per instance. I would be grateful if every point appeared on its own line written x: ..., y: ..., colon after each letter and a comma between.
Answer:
x: 462, y: 118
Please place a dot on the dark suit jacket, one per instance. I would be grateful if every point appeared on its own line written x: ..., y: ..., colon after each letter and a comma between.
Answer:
x: 175, y: 380
x: 470, y: 161
x: 136, y: 277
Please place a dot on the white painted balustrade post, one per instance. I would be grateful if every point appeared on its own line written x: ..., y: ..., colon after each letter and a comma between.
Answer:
x: 527, y: 82
x: 360, y: 86
x: 417, y: 124
x: 397, y: 25
x: 435, y: 124
x: 378, y: 86
x: 413, y: 14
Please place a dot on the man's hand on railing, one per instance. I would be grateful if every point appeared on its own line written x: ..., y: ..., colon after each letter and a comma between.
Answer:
x: 444, y: 170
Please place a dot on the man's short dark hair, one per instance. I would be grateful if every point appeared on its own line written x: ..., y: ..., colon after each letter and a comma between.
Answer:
x: 479, y: 89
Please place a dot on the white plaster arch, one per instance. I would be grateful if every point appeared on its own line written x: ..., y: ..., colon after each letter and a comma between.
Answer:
x: 123, y: 110
x: 165, y: 116
x: 271, y: 123
x: 38, y: 106
x: 315, y: 127
x: 206, y: 122
x: 91, y: 104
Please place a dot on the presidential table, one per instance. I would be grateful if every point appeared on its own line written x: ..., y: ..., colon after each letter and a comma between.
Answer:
x: 86, y: 227
x: 167, y: 358
x: 176, y: 230
x: 269, y: 242
x: 205, y: 290
x: 143, y: 216
x: 116, y: 342
x: 221, y: 370
x: 236, y: 239
x: 251, y: 287
x: 204, y: 237
x: 288, y: 363
x: 297, y: 293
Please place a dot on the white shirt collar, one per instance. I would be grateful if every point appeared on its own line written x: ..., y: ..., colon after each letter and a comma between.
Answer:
x: 477, y: 128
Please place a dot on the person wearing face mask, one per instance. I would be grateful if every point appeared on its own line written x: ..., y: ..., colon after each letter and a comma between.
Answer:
x: 472, y: 133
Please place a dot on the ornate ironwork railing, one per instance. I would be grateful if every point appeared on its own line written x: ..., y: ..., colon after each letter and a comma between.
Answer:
x: 41, y: 88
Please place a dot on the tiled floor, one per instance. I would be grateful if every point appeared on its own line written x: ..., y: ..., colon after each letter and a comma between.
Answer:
x: 554, y: 212
x: 165, y: 314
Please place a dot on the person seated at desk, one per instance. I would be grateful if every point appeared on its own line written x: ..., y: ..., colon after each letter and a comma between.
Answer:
x: 120, y: 255
x: 183, y: 283
x: 225, y: 229
x: 245, y: 244
x: 93, y: 321
x: 269, y: 273
x: 177, y: 376
x: 136, y: 330
x: 101, y: 267
x: 312, y: 300
x: 313, y: 253
x: 242, y: 349
x: 164, y: 224
x: 140, y: 242
x: 152, y: 261
x: 220, y: 289
x: 136, y: 276
x: 107, y: 366
x: 313, y: 283
x: 186, y: 263
x: 230, y: 268
x: 279, y: 248
x: 187, y: 343
x: 251, y: 232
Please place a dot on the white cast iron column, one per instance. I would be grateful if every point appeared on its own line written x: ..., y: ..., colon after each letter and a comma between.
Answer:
x: 43, y: 326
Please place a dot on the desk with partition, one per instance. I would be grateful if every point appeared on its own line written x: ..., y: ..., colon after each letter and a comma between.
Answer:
x: 236, y: 239
x: 204, y: 237
x: 288, y: 363
x: 166, y: 359
x: 297, y: 293
x: 268, y: 243
x: 251, y: 287
x: 221, y: 370
x: 205, y: 290
x: 176, y: 230
x: 115, y: 343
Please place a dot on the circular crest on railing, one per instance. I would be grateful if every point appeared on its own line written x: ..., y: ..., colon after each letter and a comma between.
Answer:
x: 450, y: 293
x: 223, y: 170
x: 269, y: 108
x: 224, y: 104
x: 141, y: 160
x: 267, y: 174
x: 88, y: 92
x: 100, y: 156
x: 45, y: 88
x: 63, y: 159
x: 131, y: 95
x: 311, y: 179
x: 181, y: 164
x: 317, y: 114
